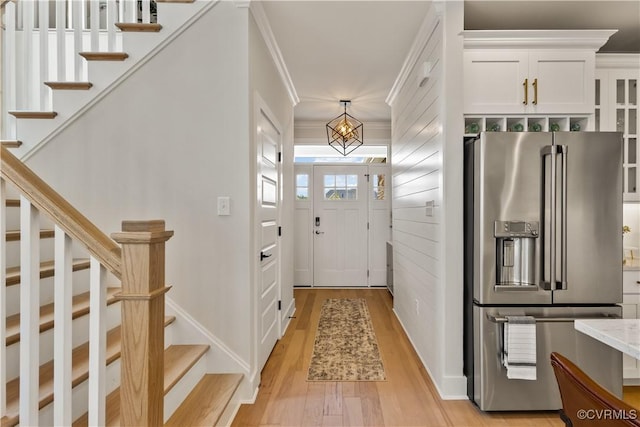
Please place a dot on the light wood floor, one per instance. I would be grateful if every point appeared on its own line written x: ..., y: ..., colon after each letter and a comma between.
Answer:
x: 407, y: 398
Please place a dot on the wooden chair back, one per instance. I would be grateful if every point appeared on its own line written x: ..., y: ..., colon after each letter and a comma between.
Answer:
x: 587, y: 403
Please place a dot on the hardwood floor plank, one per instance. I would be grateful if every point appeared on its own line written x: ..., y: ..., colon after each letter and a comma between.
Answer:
x: 407, y: 398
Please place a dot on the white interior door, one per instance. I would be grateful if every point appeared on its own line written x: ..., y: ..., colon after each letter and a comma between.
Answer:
x: 340, y: 225
x: 268, y: 146
x: 379, y: 222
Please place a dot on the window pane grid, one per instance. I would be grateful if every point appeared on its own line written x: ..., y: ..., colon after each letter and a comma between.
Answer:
x: 302, y: 186
x: 340, y: 187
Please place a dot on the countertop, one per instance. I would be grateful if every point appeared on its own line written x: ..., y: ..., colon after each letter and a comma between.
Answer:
x: 621, y: 334
x: 631, y: 264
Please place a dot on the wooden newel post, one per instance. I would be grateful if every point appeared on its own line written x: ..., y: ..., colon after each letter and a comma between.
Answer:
x: 142, y: 300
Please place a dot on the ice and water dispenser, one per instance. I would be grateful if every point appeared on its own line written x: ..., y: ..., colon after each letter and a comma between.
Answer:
x: 516, y: 253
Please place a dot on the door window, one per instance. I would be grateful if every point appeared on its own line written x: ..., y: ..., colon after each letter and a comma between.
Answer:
x: 340, y: 187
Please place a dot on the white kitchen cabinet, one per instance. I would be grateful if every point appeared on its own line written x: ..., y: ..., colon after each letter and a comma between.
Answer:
x: 631, y: 310
x: 530, y: 72
x: 535, y: 82
x: 616, y: 109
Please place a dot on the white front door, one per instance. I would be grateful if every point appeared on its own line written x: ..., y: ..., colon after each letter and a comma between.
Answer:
x: 268, y: 146
x: 340, y: 225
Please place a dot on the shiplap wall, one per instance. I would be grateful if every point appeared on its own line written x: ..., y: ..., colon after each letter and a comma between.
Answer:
x: 417, y: 174
x: 427, y: 285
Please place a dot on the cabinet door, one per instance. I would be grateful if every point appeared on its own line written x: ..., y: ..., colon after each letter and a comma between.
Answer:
x: 563, y: 82
x: 493, y: 81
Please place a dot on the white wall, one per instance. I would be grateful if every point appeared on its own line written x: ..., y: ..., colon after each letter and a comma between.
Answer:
x: 427, y: 167
x: 165, y: 144
x: 265, y: 80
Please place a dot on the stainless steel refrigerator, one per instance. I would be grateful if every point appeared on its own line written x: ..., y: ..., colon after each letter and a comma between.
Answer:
x: 543, y: 239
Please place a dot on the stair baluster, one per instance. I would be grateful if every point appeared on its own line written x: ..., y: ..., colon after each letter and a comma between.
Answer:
x: 63, y: 318
x: 97, y: 343
x: 29, y: 313
x: 3, y: 298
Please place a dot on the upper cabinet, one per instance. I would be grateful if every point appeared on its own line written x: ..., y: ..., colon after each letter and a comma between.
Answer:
x: 616, y: 109
x: 530, y: 72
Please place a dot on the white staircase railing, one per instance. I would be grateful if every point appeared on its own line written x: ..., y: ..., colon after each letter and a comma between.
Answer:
x: 42, y: 41
x: 142, y: 300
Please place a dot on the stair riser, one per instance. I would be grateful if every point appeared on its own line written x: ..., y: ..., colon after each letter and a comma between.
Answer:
x: 80, y: 336
x: 181, y: 390
x: 13, y: 251
x: 80, y: 394
x: 47, y: 289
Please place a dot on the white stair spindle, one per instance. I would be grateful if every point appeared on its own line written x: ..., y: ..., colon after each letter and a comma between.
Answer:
x: 29, y: 312
x: 146, y: 11
x: 97, y: 343
x: 10, y: 71
x: 111, y: 27
x: 94, y: 20
x: 27, y: 86
x: 77, y: 8
x: 3, y: 299
x: 62, y: 338
x: 43, y: 24
x: 61, y: 45
x: 131, y: 10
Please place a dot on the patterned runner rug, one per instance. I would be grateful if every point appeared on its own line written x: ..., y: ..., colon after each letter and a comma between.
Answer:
x: 345, y: 348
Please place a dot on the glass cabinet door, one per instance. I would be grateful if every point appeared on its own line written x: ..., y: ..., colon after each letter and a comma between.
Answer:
x: 616, y: 109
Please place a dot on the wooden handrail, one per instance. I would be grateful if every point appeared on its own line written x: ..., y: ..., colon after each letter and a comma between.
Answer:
x: 76, y: 225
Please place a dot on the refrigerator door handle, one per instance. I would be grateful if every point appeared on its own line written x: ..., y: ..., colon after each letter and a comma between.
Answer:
x: 563, y: 150
x: 550, y: 285
x: 503, y: 319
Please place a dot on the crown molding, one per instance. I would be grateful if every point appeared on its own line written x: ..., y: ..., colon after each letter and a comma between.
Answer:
x: 617, y: 60
x: 531, y: 39
x: 257, y: 10
x: 427, y: 28
x: 242, y: 3
x: 318, y: 124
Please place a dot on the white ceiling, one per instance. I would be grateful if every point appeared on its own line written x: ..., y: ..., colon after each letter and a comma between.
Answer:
x: 344, y: 50
x: 355, y: 49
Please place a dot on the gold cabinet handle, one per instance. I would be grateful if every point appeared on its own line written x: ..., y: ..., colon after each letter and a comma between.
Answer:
x: 526, y: 91
x: 535, y: 91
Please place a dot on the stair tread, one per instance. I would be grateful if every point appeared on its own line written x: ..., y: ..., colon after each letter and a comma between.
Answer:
x: 104, y: 56
x: 178, y: 359
x: 46, y: 270
x: 206, y: 402
x: 13, y: 203
x: 80, y: 358
x: 80, y: 307
x: 27, y: 114
x: 139, y: 27
x: 14, y: 235
x: 11, y: 143
x: 69, y: 85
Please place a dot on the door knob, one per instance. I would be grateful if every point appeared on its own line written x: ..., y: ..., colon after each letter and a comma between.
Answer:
x: 319, y: 232
x: 263, y: 256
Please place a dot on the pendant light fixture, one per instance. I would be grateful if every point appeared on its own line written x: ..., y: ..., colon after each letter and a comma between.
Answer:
x: 345, y: 132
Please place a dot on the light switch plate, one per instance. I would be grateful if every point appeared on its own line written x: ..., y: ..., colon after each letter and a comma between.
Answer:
x: 224, y: 205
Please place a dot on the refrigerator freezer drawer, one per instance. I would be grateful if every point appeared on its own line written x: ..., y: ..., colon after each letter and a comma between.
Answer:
x: 493, y: 391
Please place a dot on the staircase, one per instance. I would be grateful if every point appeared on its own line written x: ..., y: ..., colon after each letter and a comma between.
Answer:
x: 85, y: 342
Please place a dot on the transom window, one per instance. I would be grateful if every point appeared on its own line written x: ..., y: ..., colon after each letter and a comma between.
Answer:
x: 341, y: 187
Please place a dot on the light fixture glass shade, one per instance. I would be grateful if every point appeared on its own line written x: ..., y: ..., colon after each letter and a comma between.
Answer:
x: 345, y: 132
